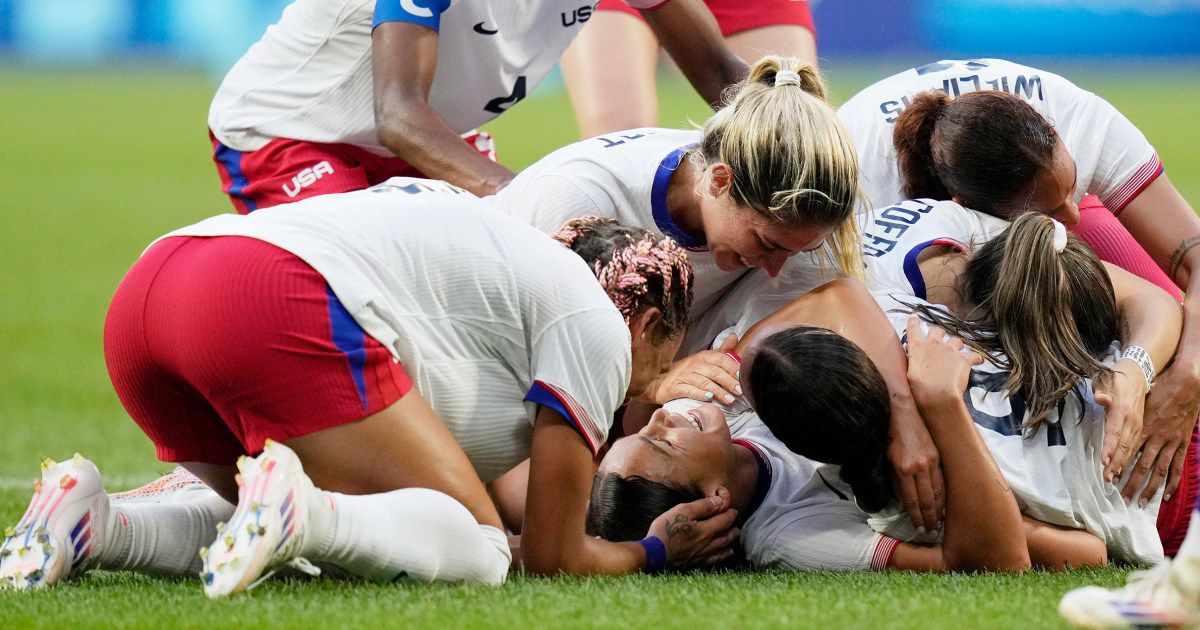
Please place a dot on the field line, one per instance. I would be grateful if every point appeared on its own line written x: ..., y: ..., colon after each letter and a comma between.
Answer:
x: 113, y: 482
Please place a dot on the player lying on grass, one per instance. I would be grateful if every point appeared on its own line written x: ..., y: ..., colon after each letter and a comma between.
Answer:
x: 1003, y: 138
x: 401, y: 343
x: 771, y: 174
x: 828, y: 407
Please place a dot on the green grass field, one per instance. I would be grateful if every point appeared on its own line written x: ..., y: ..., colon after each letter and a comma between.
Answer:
x: 97, y: 164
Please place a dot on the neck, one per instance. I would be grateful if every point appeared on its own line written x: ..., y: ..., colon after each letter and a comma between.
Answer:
x: 743, y: 479
x: 682, y: 205
x: 941, y: 271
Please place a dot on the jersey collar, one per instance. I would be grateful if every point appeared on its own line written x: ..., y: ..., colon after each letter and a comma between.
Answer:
x: 658, y: 200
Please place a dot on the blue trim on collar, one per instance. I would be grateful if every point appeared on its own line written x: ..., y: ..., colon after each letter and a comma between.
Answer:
x: 912, y: 270
x: 658, y: 200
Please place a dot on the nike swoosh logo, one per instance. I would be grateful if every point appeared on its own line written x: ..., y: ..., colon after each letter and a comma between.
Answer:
x: 483, y: 30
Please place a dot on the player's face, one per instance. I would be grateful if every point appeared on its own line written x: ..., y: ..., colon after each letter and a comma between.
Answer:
x: 692, y: 450
x: 650, y: 361
x: 739, y: 237
x: 1054, y: 192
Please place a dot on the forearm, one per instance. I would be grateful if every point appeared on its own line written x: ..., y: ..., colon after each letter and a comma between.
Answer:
x: 1054, y: 548
x: 690, y: 34
x: 1149, y: 317
x: 419, y: 136
x: 980, y: 506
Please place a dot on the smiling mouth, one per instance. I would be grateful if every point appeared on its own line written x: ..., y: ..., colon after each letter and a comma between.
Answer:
x: 696, y: 423
x: 742, y: 259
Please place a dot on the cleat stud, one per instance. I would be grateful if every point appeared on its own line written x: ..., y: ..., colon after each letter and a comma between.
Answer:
x: 46, y: 463
x: 220, y: 526
x: 254, y: 507
x: 252, y: 529
x: 261, y: 530
x: 10, y: 532
x: 67, y: 482
x: 47, y: 549
x: 229, y: 541
x: 37, y: 485
x: 203, y: 552
x: 22, y: 551
x: 5, y: 553
x: 78, y: 459
x: 234, y: 563
x: 207, y: 577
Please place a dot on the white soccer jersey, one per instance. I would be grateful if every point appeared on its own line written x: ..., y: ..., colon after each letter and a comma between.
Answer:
x: 309, y: 77
x: 624, y: 175
x: 1055, y: 471
x: 1114, y: 160
x: 895, y: 236
x: 807, y: 520
x: 488, y: 316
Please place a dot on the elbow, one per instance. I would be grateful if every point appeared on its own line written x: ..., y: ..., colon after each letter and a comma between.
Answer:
x: 542, y: 564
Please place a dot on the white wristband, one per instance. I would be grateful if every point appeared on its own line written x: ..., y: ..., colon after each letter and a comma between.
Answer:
x: 1139, y: 355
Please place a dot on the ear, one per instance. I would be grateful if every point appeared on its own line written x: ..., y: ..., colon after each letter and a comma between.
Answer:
x: 720, y: 179
x: 643, y: 323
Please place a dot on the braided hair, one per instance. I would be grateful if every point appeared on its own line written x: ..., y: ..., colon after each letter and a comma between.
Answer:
x: 635, y: 267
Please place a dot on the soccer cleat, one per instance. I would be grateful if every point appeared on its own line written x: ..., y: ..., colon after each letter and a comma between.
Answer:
x: 177, y: 486
x: 267, y: 529
x: 1152, y: 599
x: 61, y: 531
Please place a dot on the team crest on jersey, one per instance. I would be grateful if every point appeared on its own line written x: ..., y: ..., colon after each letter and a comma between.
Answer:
x: 308, y: 177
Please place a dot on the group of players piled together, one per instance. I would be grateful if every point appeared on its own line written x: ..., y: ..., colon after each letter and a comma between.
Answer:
x: 939, y: 328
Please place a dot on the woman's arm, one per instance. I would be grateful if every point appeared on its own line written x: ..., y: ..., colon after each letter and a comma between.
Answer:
x: 1150, y: 318
x: 689, y: 33
x: 846, y: 307
x: 983, y: 530
x: 553, y: 538
x: 1054, y: 548
x: 403, y: 60
x: 1167, y: 227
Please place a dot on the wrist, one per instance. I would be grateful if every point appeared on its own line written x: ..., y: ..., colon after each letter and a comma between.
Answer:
x: 1141, y: 358
x: 656, y: 554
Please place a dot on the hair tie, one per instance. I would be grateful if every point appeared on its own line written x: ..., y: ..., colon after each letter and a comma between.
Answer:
x: 787, y: 77
x: 1060, y: 235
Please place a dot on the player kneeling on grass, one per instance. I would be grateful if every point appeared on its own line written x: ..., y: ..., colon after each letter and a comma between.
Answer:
x: 385, y: 352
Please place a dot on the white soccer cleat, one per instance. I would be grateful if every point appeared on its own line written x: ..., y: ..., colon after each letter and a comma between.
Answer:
x: 266, y: 530
x: 61, y: 531
x: 1152, y: 599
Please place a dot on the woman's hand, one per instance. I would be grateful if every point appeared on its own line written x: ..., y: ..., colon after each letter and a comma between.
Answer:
x: 1170, y: 415
x: 1123, y: 399
x: 918, y: 468
x: 707, y: 376
x: 697, y: 533
x: 937, y: 367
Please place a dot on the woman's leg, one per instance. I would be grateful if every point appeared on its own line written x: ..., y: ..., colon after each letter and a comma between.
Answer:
x: 787, y: 40
x: 610, y: 74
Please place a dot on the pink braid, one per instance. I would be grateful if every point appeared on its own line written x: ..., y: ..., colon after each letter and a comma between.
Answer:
x: 625, y: 278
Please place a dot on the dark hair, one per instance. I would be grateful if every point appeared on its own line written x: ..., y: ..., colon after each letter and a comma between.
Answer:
x: 823, y: 397
x: 987, y: 148
x: 622, y: 508
x: 1046, y: 316
x: 636, y: 267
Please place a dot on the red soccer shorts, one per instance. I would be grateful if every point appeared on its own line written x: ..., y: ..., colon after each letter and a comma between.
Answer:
x: 286, y: 170
x: 216, y: 344
x: 1175, y: 515
x: 735, y: 16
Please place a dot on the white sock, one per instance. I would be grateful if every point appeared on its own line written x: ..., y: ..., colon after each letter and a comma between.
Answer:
x: 414, y: 532
x: 163, y: 538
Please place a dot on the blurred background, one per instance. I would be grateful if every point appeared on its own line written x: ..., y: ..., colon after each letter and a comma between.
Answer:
x: 104, y: 147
